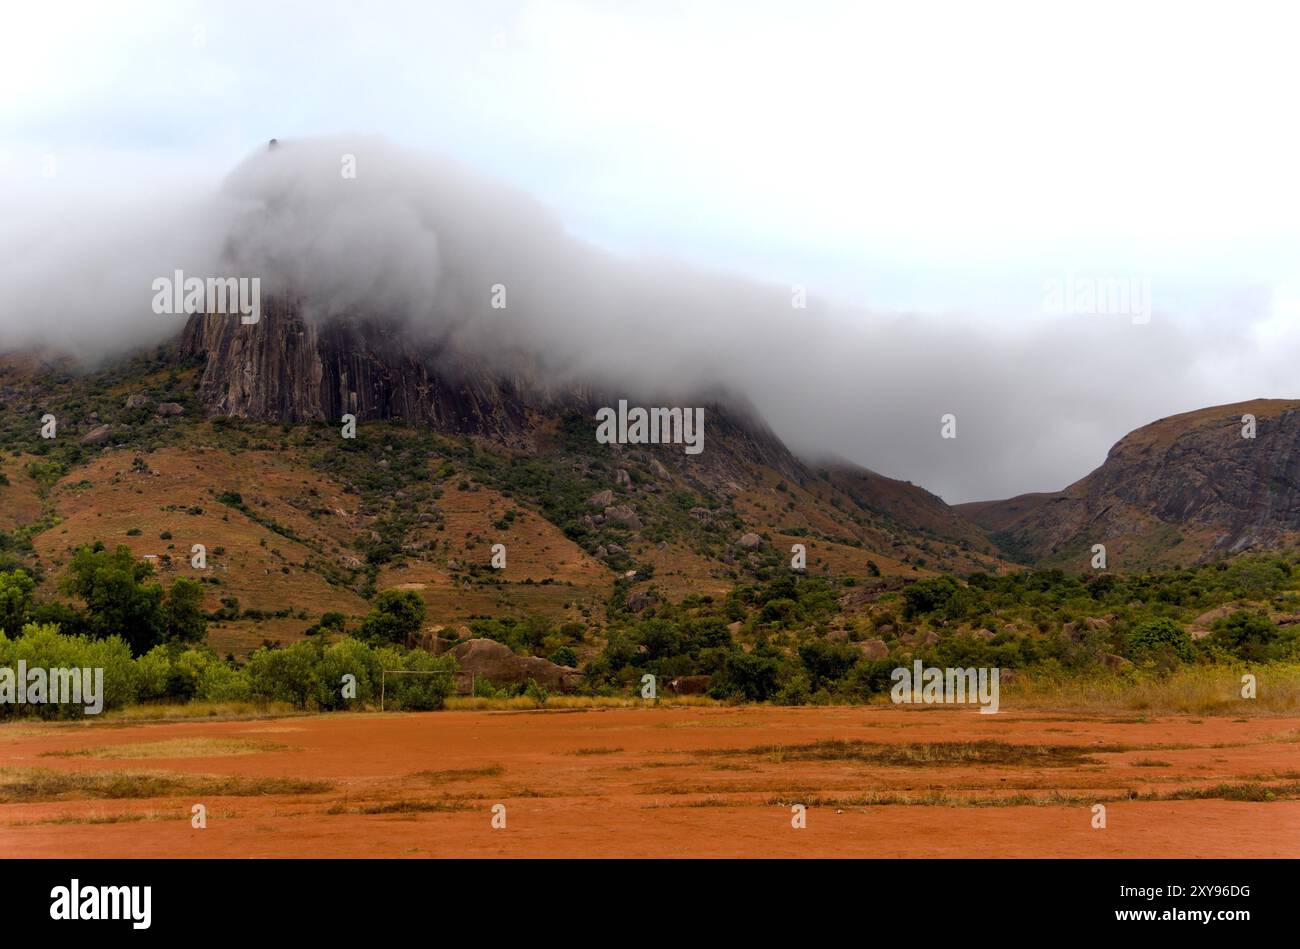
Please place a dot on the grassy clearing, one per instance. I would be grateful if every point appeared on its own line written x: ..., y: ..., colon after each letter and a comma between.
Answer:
x: 31, y: 785
x: 1188, y: 690
x: 175, y: 748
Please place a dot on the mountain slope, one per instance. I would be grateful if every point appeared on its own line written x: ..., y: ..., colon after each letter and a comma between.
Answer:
x: 230, y: 438
x: 1180, y: 490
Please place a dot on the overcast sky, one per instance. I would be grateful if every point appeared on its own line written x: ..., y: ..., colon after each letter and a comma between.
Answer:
x: 926, y: 170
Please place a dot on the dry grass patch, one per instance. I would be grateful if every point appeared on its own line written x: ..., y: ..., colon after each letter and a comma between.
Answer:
x: 920, y: 754
x: 175, y: 748
x: 31, y: 785
x: 400, y: 807
x: 1188, y: 690
x: 459, y: 774
x: 204, y: 711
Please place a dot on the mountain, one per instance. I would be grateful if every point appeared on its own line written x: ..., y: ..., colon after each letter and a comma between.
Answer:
x: 231, y: 437
x: 1181, y: 490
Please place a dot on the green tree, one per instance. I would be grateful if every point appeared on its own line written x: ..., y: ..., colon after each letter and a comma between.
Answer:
x: 1160, y: 637
x: 397, y: 615
x: 186, y: 621
x: 15, y: 600
x: 118, y: 599
x: 1248, y: 635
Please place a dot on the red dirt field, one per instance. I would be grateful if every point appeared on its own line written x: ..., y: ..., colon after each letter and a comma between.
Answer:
x: 665, y: 782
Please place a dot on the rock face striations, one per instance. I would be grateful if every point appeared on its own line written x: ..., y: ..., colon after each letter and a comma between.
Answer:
x: 287, y: 368
x: 1179, y: 490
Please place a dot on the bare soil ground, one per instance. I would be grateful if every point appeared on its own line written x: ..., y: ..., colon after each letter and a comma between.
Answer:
x: 657, y: 782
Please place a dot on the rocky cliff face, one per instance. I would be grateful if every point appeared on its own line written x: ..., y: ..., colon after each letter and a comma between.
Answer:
x: 286, y: 368
x: 1182, y: 489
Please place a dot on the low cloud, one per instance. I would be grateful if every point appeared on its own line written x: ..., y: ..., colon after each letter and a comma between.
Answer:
x: 420, y: 238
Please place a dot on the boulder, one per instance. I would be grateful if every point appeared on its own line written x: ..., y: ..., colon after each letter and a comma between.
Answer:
x: 985, y: 634
x: 623, y: 515
x: 702, y: 514
x: 137, y: 400
x: 601, y: 499
x: 689, y: 685
x: 874, y: 648
x: 430, y: 640
x: 1112, y: 661
x: 638, y: 600
x: 498, y: 664
x: 169, y: 408
x: 750, y: 540
x: 97, y: 435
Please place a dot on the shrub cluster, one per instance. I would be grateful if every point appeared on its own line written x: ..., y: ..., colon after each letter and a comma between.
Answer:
x: 308, y: 675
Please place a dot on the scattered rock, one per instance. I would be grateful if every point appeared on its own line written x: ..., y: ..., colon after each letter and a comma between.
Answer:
x: 689, y: 685
x: 430, y: 640
x: 638, y: 600
x: 97, y: 435
x: 874, y: 648
x: 623, y: 515
x: 702, y: 514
